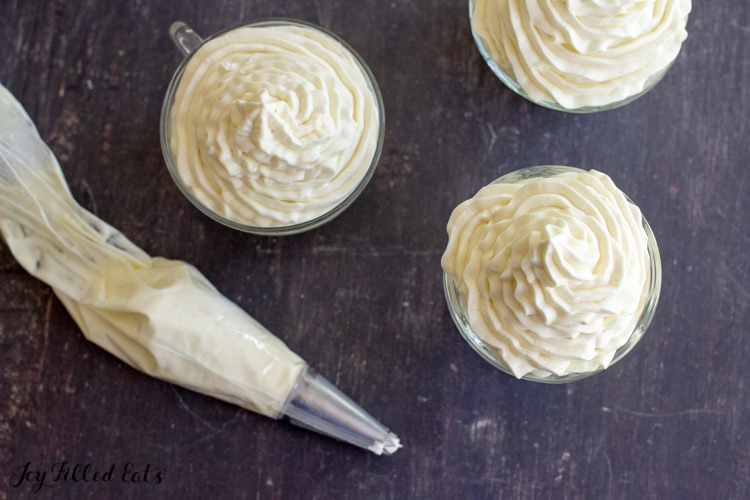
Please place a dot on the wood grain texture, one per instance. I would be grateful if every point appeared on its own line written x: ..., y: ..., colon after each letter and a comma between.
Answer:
x: 361, y: 297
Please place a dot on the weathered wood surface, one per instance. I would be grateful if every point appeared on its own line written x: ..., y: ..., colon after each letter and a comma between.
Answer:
x: 361, y: 298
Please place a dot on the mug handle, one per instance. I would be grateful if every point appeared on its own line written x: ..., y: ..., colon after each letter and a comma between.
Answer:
x: 184, y: 37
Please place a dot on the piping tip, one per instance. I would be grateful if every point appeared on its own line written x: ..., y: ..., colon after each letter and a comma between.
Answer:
x: 316, y: 404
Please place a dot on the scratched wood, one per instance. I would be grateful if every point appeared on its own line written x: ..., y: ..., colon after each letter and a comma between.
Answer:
x: 361, y: 298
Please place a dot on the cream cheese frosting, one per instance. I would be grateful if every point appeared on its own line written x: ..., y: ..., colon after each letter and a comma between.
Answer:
x: 160, y: 316
x: 581, y: 53
x: 552, y: 272
x: 274, y: 125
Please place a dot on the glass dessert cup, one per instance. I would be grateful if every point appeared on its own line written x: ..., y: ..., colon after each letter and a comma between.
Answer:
x: 492, y: 355
x: 189, y: 43
x: 508, y: 80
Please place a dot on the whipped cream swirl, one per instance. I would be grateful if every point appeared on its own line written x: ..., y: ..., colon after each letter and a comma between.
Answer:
x: 274, y: 125
x: 582, y: 53
x: 552, y: 272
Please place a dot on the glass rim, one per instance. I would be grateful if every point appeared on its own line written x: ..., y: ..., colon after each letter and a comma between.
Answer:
x: 646, y: 314
x: 165, y: 128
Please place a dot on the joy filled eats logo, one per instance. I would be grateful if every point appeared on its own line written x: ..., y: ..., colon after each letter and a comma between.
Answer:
x: 63, y: 472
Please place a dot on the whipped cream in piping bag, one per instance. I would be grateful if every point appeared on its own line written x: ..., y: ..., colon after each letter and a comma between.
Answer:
x: 552, y: 272
x: 581, y: 53
x: 274, y: 125
x: 161, y: 316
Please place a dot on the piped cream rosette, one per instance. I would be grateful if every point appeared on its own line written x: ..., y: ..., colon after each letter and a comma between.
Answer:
x: 581, y: 53
x: 553, y: 272
x: 274, y: 125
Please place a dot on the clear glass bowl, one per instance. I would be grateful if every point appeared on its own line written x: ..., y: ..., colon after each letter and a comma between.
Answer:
x: 513, y: 85
x: 189, y: 43
x: 492, y: 355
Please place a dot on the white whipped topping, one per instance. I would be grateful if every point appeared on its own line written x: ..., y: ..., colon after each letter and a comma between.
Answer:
x: 160, y: 316
x: 274, y: 125
x: 582, y: 53
x: 552, y: 272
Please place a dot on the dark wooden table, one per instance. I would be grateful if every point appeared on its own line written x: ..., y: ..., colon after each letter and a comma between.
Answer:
x: 361, y: 297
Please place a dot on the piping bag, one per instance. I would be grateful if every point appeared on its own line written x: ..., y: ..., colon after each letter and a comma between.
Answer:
x: 160, y: 316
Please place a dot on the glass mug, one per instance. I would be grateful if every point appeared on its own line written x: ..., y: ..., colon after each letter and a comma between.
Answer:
x: 189, y: 43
